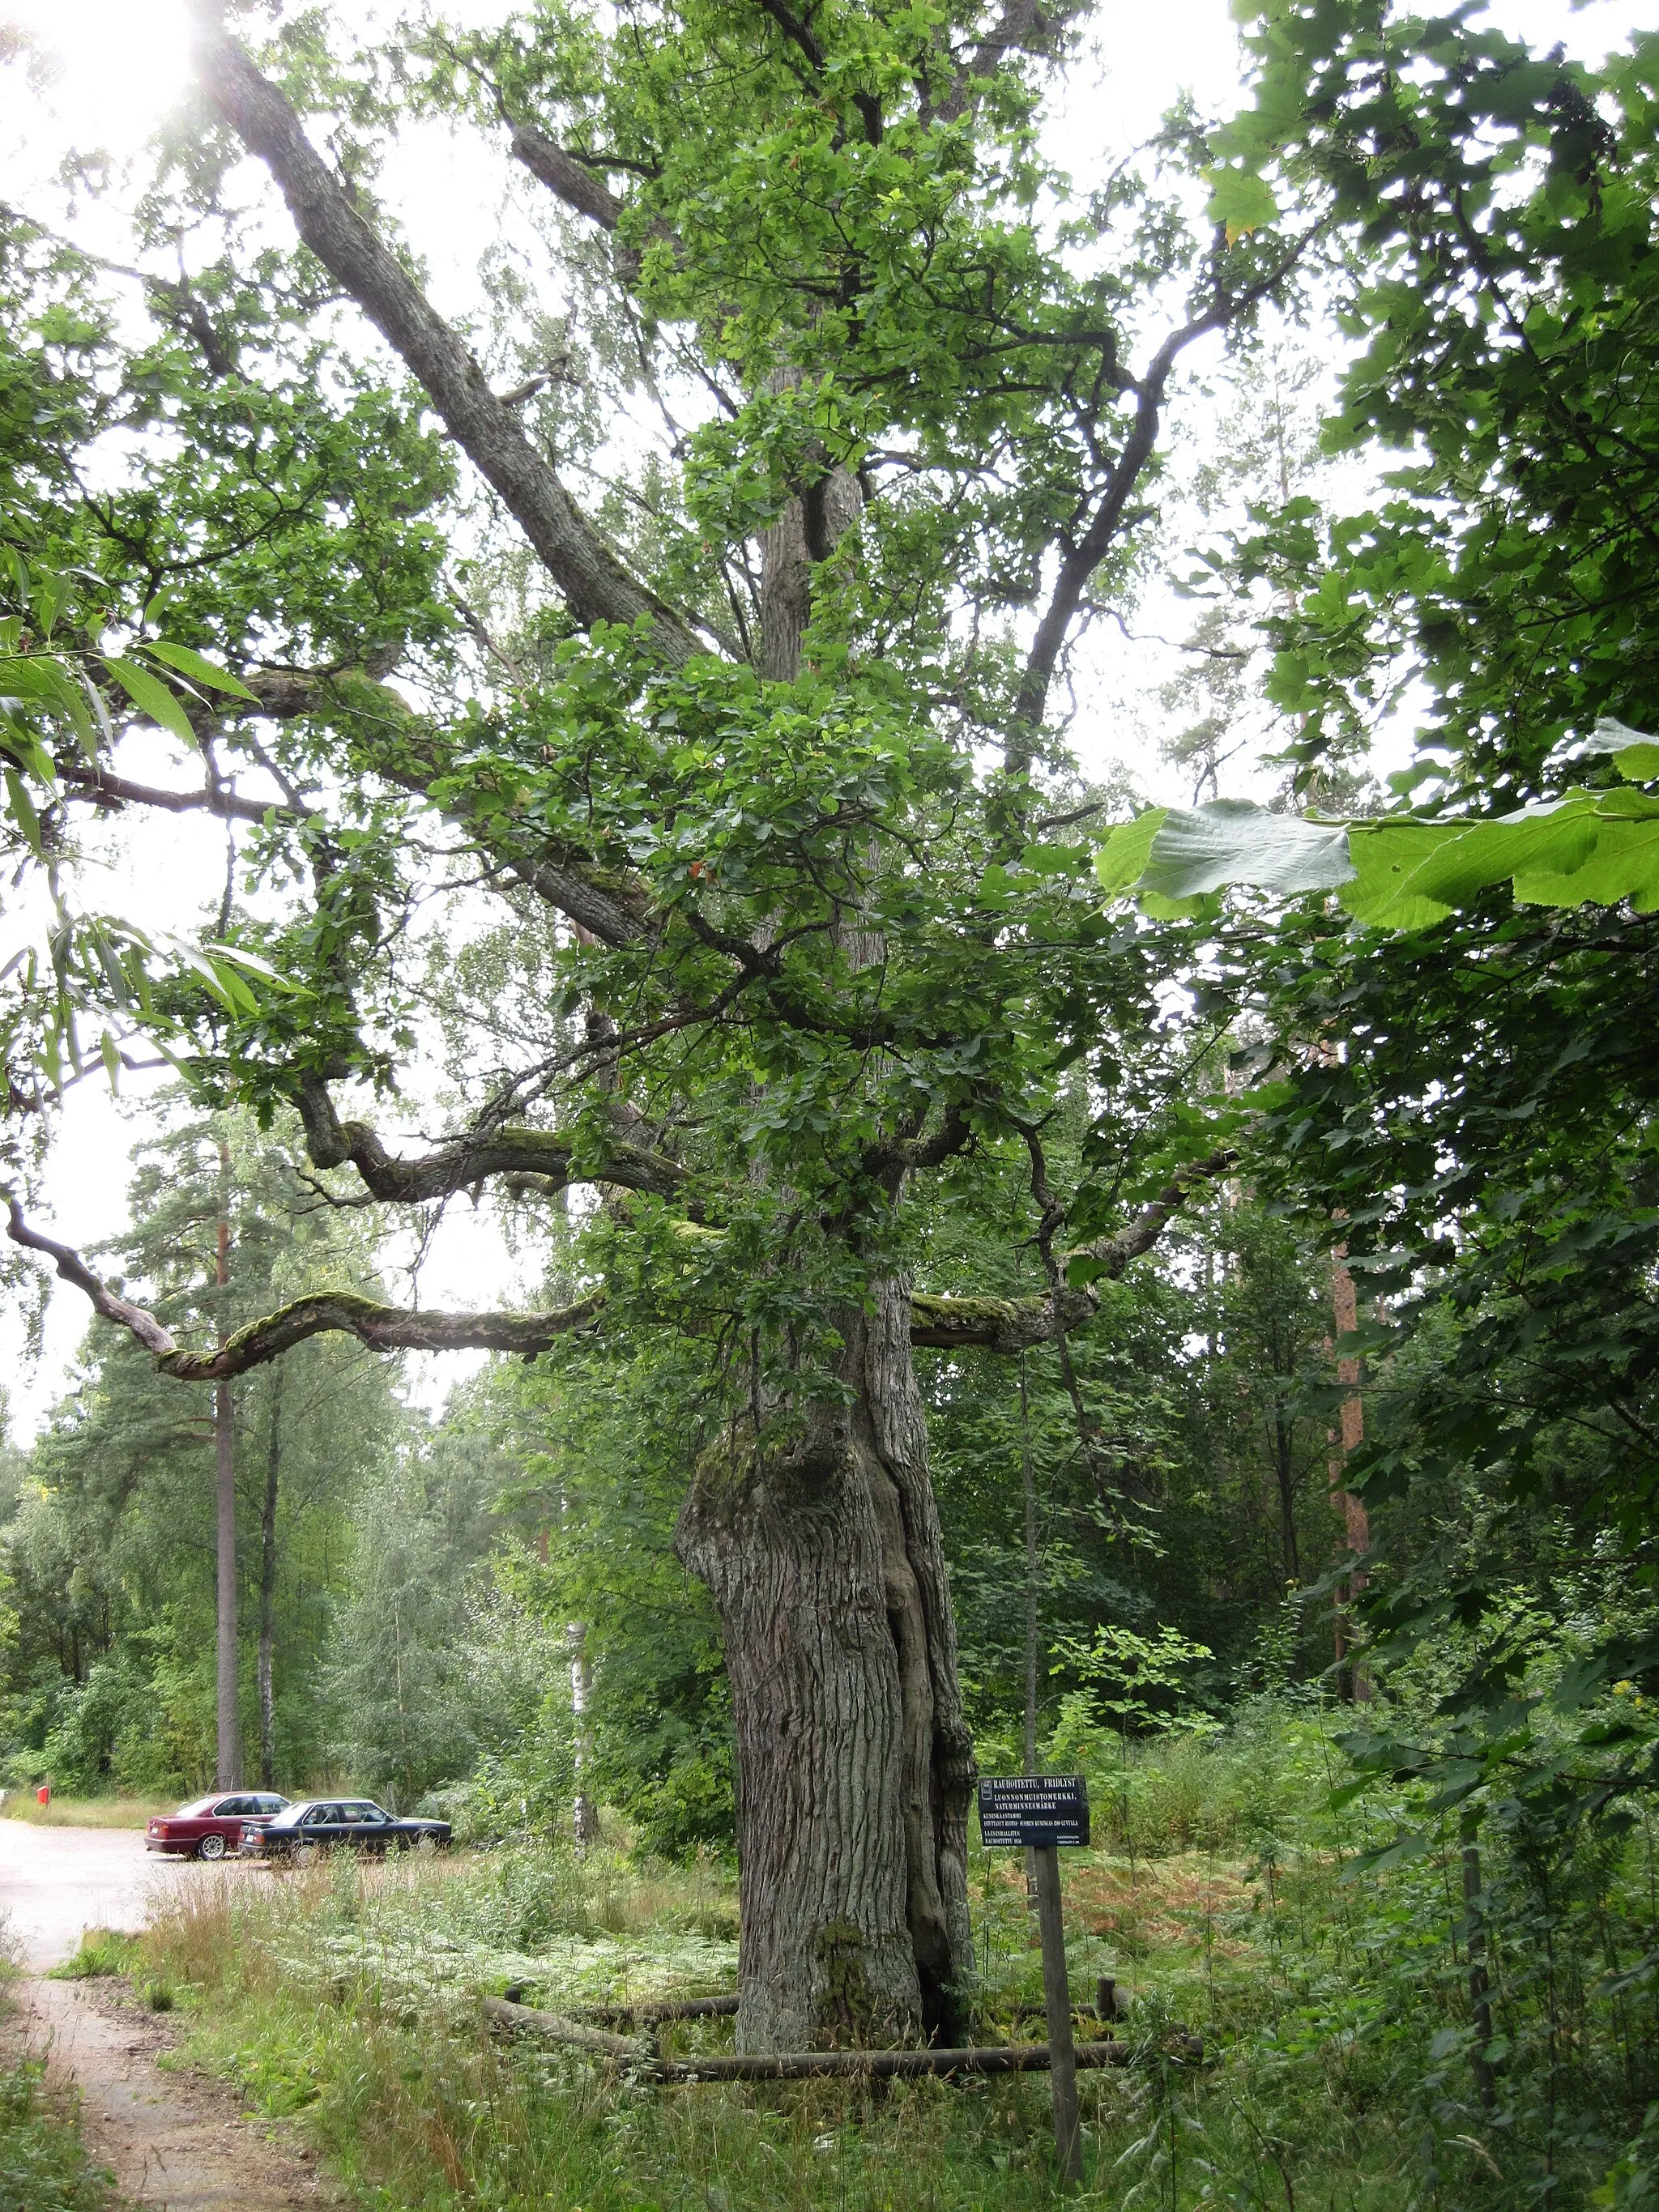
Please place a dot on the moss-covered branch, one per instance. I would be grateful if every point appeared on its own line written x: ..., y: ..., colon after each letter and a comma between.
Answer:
x: 979, y: 1324
x: 381, y: 1327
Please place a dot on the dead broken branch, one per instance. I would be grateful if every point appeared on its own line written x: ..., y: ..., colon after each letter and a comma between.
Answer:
x: 794, y: 2065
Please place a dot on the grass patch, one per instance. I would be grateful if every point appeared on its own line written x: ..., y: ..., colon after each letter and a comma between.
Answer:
x: 103, y: 1951
x: 83, y: 1811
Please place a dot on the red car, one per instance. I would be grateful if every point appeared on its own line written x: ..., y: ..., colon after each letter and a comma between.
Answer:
x: 208, y: 1827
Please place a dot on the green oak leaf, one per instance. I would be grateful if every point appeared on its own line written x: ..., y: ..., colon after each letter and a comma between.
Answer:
x: 1240, y: 201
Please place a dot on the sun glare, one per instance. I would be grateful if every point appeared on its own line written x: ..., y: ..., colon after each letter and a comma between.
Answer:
x: 116, y: 66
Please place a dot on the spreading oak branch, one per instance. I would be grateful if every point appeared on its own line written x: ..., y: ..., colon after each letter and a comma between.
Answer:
x: 381, y: 1327
x: 1012, y: 1325
x: 943, y: 1323
x: 596, y: 585
x: 540, y: 1156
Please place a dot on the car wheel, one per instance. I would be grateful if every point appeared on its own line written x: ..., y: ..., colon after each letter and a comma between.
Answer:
x: 212, y: 1845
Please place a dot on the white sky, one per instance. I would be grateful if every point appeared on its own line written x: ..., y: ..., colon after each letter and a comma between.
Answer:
x: 122, y: 64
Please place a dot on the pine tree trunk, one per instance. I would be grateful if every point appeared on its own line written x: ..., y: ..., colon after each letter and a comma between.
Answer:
x: 1356, y: 1526
x: 228, y: 1761
x: 1284, y: 1448
x: 268, y: 1587
x: 854, y: 1762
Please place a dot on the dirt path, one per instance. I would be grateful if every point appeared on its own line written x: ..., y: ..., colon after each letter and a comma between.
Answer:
x: 175, y: 2141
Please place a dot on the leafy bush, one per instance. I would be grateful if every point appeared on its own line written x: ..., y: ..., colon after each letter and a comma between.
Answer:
x: 43, y: 2166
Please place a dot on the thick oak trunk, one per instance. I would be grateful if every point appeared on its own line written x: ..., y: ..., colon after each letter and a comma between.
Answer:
x: 855, y: 1763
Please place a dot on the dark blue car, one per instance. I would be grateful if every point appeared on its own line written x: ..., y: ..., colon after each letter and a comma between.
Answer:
x: 321, y: 1823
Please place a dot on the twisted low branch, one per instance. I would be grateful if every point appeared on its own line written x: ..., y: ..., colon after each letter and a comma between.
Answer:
x: 382, y: 1328
x: 469, y: 1160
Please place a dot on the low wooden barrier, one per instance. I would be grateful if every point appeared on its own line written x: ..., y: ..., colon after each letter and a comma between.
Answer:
x: 657, y: 2012
x: 790, y: 2065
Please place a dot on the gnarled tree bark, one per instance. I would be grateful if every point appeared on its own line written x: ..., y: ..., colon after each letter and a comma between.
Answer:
x: 854, y: 1761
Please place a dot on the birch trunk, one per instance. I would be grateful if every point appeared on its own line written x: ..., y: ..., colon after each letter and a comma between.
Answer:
x: 585, y: 1813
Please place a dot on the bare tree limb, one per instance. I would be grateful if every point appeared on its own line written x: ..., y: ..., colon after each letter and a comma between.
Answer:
x: 1082, y: 559
x: 565, y: 177
x: 74, y: 1269
x: 595, y: 583
x: 807, y: 2065
x: 382, y: 1328
x: 469, y: 1160
x: 105, y: 789
x: 1009, y: 1325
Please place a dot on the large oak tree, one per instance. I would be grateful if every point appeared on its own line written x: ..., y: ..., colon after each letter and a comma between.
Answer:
x: 761, y: 775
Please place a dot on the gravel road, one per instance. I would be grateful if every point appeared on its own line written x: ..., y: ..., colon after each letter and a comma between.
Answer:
x: 56, y: 1882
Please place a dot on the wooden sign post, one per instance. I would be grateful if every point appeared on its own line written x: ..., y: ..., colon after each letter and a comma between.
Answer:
x: 1038, y: 1813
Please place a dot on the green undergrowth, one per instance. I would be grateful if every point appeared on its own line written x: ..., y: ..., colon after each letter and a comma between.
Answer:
x: 103, y: 1951
x: 44, y: 2164
x: 1228, y: 1901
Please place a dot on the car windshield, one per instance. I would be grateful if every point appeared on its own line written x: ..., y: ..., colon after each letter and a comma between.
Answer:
x: 198, y: 1808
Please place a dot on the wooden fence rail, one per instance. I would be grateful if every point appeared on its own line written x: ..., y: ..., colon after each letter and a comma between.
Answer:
x: 796, y: 2065
x: 658, y: 2012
